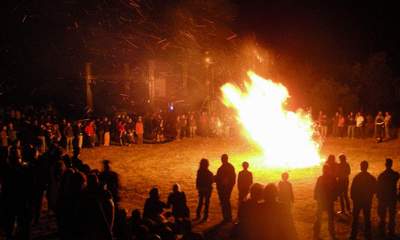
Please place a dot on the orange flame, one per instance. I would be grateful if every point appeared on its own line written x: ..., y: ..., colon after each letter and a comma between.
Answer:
x: 285, y: 137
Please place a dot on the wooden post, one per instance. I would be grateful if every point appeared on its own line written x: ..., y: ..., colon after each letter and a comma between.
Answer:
x: 151, y: 79
x: 89, y: 81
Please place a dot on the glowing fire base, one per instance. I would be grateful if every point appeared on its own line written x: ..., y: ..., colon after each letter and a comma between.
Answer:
x: 285, y: 137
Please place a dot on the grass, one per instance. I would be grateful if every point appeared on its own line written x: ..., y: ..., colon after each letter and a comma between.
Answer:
x: 142, y: 166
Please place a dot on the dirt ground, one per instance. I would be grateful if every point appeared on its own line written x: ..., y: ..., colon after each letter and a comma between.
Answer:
x: 143, y: 166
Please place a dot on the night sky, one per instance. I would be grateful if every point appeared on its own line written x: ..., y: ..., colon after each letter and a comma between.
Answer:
x: 38, y: 40
x: 330, y: 30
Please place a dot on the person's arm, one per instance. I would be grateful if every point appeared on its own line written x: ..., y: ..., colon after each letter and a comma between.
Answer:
x: 291, y: 193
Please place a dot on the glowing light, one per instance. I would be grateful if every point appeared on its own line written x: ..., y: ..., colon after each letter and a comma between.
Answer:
x: 285, y: 137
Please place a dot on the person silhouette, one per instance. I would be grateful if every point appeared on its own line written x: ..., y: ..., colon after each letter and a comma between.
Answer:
x: 362, y: 192
x: 276, y: 219
x: 343, y: 171
x: 177, y: 200
x: 225, y: 180
x: 245, y: 179
x: 249, y: 217
x: 387, y: 197
x: 204, y: 181
x: 154, y: 207
x: 110, y: 181
x: 325, y: 193
x: 285, y: 191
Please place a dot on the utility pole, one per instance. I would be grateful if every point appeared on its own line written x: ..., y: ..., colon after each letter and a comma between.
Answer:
x: 89, y: 82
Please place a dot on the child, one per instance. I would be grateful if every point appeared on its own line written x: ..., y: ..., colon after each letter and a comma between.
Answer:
x: 245, y: 179
x: 285, y: 193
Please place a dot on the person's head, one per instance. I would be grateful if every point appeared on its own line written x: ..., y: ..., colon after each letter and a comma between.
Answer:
x: 154, y: 193
x: 245, y: 165
x: 256, y: 191
x: 204, y: 163
x: 342, y: 158
x: 388, y: 163
x: 106, y: 165
x: 285, y: 176
x: 135, y: 214
x: 364, y: 166
x: 176, y: 188
x: 224, y: 158
x: 270, y: 193
x: 331, y: 159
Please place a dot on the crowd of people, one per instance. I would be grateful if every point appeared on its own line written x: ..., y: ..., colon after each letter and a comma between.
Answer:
x: 45, y: 126
x: 334, y: 184
x: 356, y: 125
x: 36, y: 163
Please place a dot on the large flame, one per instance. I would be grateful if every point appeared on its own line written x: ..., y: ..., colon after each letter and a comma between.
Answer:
x: 285, y: 137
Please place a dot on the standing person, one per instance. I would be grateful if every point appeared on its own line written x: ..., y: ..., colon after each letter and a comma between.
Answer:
x: 362, y: 192
x: 4, y: 137
x: 325, y: 194
x: 351, y: 125
x: 388, y: 122
x: 121, y: 132
x: 245, y: 179
x: 177, y: 200
x: 204, y: 181
x: 91, y: 133
x: 184, y: 125
x: 285, y: 191
x: 139, y: 129
x: 225, y: 180
x: 332, y: 165
x: 343, y: 183
x: 341, y: 124
x: 192, y: 125
x: 78, y: 135
x: 387, y: 197
x: 379, y: 127
x: 323, y: 122
x: 107, y: 130
x: 96, y: 211
x: 100, y: 131
x: 109, y: 180
x: 359, y: 125
x: 69, y: 135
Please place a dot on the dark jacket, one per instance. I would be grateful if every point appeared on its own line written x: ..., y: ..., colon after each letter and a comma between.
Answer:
x: 226, y: 177
x: 204, y: 180
x: 387, y: 185
x: 326, y: 189
x: 363, y: 188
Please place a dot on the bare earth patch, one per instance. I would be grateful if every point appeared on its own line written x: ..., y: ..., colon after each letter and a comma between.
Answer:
x: 143, y: 166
